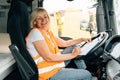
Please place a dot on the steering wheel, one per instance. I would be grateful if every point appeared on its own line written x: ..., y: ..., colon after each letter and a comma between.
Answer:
x: 88, y: 49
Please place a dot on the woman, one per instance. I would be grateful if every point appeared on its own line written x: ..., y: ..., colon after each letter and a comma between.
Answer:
x: 43, y: 47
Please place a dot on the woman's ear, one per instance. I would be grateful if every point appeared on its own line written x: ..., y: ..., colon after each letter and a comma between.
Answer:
x: 34, y: 22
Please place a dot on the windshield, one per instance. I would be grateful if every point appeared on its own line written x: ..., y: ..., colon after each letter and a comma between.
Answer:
x: 73, y: 19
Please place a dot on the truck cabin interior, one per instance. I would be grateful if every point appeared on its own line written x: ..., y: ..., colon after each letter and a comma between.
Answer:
x: 97, y: 22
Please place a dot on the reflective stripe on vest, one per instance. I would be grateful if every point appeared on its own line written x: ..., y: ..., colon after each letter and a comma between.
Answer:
x: 47, y: 69
x: 38, y: 59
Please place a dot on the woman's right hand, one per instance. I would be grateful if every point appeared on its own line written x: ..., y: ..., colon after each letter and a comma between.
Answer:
x: 76, y: 51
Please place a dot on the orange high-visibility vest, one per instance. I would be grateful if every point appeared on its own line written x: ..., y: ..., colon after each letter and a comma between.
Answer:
x: 47, y: 69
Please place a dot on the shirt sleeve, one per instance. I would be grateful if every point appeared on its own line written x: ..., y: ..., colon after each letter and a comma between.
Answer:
x: 35, y: 35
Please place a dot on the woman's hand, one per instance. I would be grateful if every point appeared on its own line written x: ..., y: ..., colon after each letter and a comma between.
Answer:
x: 86, y: 40
x: 75, y: 51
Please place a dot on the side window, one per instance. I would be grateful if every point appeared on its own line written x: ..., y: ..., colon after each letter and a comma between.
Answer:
x: 117, y: 14
x: 4, y: 8
x: 72, y: 19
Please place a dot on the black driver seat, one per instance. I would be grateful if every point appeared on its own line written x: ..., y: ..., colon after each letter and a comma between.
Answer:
x: 18, y: 27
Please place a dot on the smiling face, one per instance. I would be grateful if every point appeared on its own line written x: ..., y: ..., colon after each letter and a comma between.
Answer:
x: 40, y: 18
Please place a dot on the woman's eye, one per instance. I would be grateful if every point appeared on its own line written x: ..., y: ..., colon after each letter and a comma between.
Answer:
x: 45, y: 17
x: 38, y: 18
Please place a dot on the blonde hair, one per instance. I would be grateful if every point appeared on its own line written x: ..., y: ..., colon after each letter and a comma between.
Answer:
x: 36, y: 12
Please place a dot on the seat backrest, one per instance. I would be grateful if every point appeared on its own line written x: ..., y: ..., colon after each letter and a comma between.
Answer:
x: 25, y: 69
x: 18, y: 27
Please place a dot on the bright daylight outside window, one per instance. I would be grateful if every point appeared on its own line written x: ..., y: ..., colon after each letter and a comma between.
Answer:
x: 72, y: 19
x: 117, y: 13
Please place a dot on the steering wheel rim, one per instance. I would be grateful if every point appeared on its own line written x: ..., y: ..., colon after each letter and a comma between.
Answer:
x: 102, y: 35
